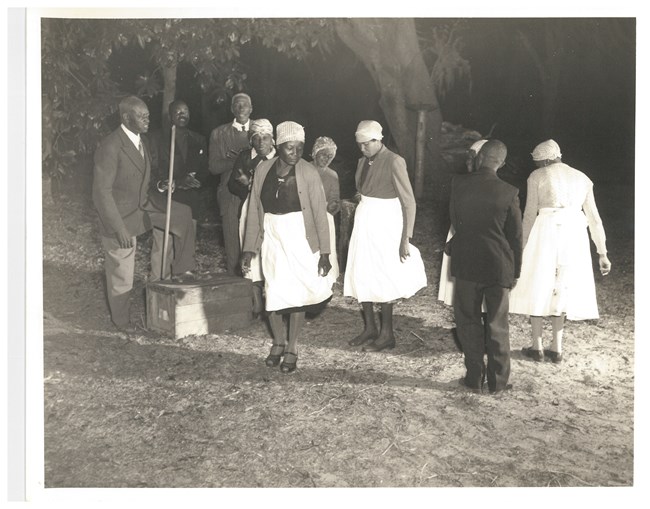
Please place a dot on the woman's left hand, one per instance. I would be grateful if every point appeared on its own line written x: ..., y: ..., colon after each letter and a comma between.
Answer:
x: 324, y: 265
x: 404, y: 249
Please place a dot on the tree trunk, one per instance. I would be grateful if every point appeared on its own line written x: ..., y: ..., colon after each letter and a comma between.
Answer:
x: 390, y: 51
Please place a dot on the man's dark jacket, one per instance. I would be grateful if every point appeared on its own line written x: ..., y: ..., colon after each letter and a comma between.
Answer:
x: 485, y: 214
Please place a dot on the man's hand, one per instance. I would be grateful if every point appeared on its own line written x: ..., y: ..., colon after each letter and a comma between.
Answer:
x: 232, y: 154
x: 189, y: 182
x: 605, y: 264
x: 324, y: 265
x: 163, y: 185
x: 245, y: 261
x: 334, y: 206
x: 404, y: 249
x: 124, y: 238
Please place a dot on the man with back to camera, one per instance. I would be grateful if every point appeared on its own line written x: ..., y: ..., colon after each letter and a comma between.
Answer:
x: 485, y: 252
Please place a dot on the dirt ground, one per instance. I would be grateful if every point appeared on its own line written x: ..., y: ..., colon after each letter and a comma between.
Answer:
x: 205, y: 412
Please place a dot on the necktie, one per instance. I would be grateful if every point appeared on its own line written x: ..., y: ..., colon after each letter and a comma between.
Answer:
x: 141, y: 149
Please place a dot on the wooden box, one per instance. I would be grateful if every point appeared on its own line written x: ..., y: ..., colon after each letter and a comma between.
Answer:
x: 219, y: 303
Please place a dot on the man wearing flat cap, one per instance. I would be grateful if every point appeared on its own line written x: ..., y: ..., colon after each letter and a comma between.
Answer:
x: 226, y: 141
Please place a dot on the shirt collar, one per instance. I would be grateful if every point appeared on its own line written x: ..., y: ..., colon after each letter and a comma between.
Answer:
x: 135, y: 138
x: 241, y: 127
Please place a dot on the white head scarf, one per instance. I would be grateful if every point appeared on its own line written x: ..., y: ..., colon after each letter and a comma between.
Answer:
x: 547, y: 150
x: 368, y: 130
x: 476, y: 146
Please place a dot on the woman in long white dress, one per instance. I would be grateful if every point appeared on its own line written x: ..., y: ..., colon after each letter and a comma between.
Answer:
x: 556, y: 276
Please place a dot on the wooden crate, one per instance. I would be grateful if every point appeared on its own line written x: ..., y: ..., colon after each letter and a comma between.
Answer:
x: 213, y: 305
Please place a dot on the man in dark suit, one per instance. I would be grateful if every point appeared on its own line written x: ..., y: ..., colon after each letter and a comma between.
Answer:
x: 486, y: 255
x: 190, y: 170
x: 129, y: 205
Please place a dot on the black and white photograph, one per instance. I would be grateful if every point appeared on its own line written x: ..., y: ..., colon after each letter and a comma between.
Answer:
x: 288, y: 247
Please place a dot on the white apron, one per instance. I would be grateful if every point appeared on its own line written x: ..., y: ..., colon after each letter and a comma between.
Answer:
x: 374, y: 271
x: 290, y: 268
x: 255, y: 272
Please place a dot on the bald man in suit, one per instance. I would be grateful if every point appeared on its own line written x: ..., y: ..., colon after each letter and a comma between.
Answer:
x: 486, y: 252
x: 129, y: 204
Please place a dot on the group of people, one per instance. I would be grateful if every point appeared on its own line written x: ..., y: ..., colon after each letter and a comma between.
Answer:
x: 495, y: 263
x: 278, y: 211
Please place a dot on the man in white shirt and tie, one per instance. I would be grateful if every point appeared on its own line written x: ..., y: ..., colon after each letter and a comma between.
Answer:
x: 226, y: 141
x: 129, y: 204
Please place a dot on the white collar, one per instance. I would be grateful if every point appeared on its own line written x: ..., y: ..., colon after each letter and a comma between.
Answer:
x: 241, y: 127
x: 135, y: 138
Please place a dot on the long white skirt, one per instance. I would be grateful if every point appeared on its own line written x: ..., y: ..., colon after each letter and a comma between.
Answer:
x: 290, y: 268
x: 556, y: 273
x: 446, y: 285
x: 255, y: 272
x: 334, y: 271
x: 374, y: 271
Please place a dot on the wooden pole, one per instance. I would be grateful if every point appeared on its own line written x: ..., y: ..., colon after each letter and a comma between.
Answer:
x: 420, y: 145
x: 170, y: 178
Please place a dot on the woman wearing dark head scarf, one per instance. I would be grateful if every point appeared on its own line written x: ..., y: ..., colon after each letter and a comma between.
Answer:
x: 287, y: 224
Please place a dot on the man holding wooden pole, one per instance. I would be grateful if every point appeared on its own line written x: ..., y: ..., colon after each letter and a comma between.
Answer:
x: 129, y: 204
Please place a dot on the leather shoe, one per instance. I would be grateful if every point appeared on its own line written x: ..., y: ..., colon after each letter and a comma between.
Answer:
x: 463, y: 383
x: 127, y: 329
x: 555, y: 357
x: 376, y: 346
x: 536, y: 355
x: 508, y: 387
x: 361, y: 339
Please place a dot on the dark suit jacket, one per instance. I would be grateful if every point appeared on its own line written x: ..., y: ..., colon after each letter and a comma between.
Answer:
x: 122, y: 191
x: 190, y: 155
x: 485, y: 213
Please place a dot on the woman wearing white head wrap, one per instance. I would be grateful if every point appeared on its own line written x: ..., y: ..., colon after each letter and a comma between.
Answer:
x: 260, y: 135
x: 382, y: 265
x: 323, y: 153
x: 556, y: 274
x: 287, y: 224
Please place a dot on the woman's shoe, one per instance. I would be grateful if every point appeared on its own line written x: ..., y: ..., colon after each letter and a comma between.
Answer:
x: 556, y: 357
x: 274, y: 357
x: 289, y: 363
x: 536, y: 355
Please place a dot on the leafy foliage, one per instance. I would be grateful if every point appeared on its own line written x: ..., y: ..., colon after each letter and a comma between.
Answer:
x: 442, y: 47
x: 77, y: 92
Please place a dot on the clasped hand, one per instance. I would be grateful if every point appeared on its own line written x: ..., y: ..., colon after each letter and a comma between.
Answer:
x: 163, y: 185
x: 189, y: 182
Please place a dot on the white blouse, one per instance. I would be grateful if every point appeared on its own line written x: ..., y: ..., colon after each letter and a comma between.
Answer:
x: 560, y: 186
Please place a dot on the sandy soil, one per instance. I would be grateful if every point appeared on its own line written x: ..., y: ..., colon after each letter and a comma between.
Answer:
x: 205, y: 411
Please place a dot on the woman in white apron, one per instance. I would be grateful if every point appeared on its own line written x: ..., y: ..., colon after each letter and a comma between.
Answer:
x: 382, y: 266
x: 262, y: 148
x: 287, y: 226
x: 556, y: 274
